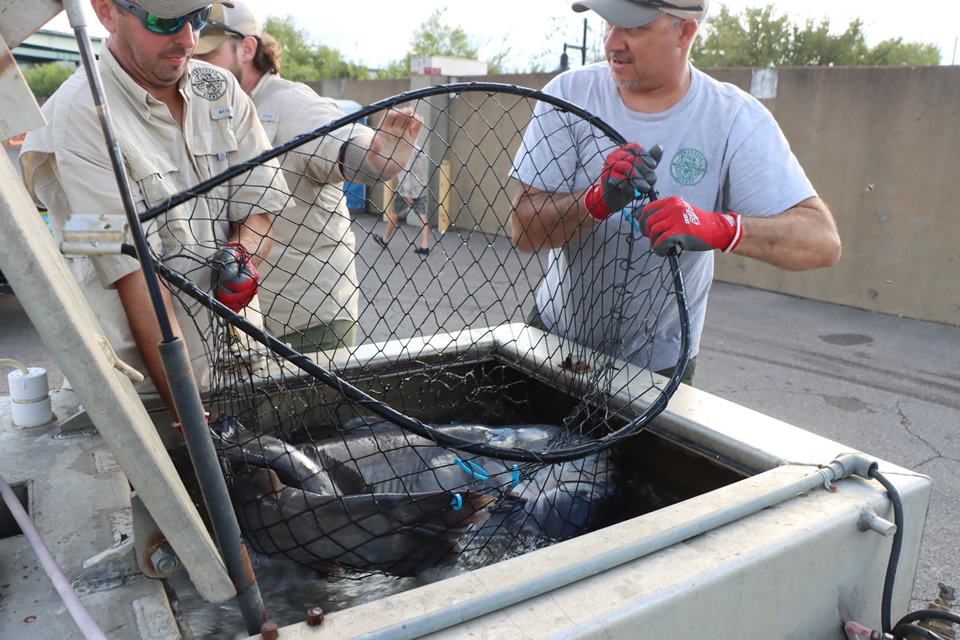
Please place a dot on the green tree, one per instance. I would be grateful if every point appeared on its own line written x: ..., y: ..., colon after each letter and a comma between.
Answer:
x: 44, y: 79
x: 755, y: 38
x: 304, y: 61
x: 814, y: 45
x: 896, y: 52
x: 437, y: 38
x: 758, y: 37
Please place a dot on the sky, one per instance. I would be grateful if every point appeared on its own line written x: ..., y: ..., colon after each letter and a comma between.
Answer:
x: 383, y: 32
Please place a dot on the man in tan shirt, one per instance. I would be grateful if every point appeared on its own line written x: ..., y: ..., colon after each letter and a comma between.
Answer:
x: 178, y: 123
x: 309, y: 288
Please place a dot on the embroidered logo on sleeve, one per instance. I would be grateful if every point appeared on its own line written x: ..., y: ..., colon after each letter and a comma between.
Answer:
x: 208, y: 83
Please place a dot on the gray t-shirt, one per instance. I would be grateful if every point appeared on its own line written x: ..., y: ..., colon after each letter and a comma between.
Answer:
x: 723, y: 151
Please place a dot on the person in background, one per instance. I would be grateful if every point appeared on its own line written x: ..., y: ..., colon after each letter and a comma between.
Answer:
x: 730, y: 181
x: 309, y: 293
x: 178, y: 122
x: 411, y: 195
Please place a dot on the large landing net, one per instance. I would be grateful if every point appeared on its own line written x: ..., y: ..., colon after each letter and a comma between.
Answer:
x: 380, y: 409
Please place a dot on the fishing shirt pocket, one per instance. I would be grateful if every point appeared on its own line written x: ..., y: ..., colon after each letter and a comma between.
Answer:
x: 157, y: 178
x: 215, y: 149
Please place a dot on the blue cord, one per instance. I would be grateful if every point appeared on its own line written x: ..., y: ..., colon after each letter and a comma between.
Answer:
x: 474, y: 470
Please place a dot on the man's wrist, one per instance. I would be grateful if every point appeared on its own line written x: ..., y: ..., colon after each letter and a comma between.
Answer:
x: 735, y: 219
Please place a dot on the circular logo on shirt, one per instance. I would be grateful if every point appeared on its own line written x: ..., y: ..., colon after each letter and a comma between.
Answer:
x: 688, y: 167
x: 208, y: 83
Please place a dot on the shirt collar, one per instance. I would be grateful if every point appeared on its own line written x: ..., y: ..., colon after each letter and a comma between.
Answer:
x: 262, y: 84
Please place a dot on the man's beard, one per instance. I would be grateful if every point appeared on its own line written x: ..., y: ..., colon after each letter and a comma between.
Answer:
x: 624, y: 84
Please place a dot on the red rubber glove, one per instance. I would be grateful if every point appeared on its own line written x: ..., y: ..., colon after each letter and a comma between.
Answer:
x: 627, y: 174
x: 674, y: 223
x: 234, y: 275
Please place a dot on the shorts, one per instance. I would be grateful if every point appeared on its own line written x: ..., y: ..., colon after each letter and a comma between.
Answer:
x: 401, y: 209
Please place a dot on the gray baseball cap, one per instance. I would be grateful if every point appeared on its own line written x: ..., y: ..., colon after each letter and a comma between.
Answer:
x: 636, y: 13
x: 176, y: 8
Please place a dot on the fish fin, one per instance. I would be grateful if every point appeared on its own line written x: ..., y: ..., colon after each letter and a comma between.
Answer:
x: 345, y: 478
x: 268, y: 483
x: 366, y: 422
x: 454, y: 511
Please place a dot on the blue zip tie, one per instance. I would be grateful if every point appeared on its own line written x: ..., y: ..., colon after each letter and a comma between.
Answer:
x: 457, y: 502
x: 516, y: 475
x: 473, y: 469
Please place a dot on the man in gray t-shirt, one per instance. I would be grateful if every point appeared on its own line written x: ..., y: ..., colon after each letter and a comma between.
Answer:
x: 722, y: 152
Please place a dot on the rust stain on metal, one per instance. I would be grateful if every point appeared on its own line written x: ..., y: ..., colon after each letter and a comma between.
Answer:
x: 247, y: 567
x: 6, y: 61
x: 579, y: 367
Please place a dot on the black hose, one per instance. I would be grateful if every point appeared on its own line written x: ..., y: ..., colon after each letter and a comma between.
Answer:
x: 930, y: 614
x: 903, y: 629
x: 894, y: 550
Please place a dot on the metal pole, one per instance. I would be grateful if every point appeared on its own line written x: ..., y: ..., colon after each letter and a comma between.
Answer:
x: 583, y: 50
x: 176, y: 366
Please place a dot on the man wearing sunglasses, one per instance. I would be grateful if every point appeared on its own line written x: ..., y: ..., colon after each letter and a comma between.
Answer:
x: 178, y: 123
x: 727, y: 180
x: 309, y: 291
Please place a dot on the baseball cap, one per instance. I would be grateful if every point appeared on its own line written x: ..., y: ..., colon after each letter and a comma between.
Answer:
x: 636, y: 13
x: 225, y: 22
x: 176, y: 8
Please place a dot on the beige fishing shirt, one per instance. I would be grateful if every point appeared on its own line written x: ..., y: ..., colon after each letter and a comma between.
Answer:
x: 67, y: 169
x: 313, y: 276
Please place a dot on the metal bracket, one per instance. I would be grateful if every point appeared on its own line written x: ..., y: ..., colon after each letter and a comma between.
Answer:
x: 153, y: 553
x: 90, y: 235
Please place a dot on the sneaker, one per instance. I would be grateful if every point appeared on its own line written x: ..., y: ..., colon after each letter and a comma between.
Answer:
x: 422, y: 250
x: 381, y: 242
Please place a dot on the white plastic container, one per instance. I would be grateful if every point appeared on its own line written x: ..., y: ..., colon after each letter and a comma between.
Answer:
x: 30, y: 395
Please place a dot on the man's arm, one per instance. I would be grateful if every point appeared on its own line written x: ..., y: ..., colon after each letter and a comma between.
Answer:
x: 366, y: 159
x: 543, y: 220
x: 550, y: 220
x: 255, y: 235
x: 146, y: 331
x: 802, y: 237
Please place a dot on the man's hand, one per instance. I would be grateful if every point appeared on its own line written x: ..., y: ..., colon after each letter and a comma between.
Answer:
x: 395, y: 139
x: 674, y: 223
x: 235, y: 277
x: 626, y: 172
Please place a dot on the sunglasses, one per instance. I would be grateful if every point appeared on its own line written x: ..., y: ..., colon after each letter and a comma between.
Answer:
x: 662, y: 4
x: 166, y: 26
x: 220, y: 25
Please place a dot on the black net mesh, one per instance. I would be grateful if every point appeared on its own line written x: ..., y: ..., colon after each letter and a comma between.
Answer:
x: 383, y: 409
